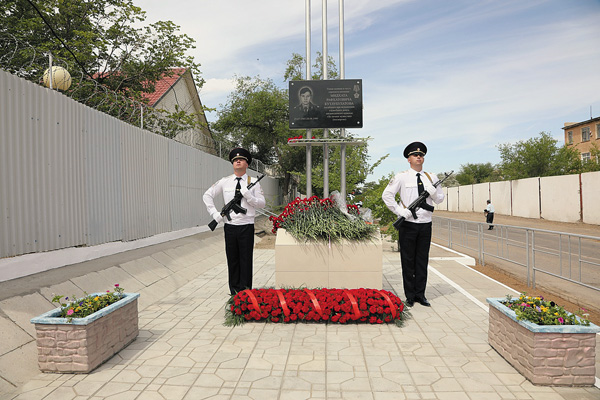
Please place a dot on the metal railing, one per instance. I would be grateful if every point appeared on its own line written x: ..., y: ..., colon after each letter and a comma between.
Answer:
x: 567, y: 256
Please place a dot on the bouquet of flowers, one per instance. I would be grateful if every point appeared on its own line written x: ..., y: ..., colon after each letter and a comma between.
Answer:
x: 315, y: 305
x: 542, y: 312
x: 322, y: 219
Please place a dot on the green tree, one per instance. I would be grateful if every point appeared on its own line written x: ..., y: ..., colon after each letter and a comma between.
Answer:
x: 538, y: 156
x: 477, y: 173
x: 450, y: 182
x: 111, y: 55
x: 296, y: 68
x: 372, y: 192
x: 256, y: 117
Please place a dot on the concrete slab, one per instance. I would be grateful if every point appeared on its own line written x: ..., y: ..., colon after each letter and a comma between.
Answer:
x: 125, y: 280
x: 21, y: 309
x: 20, y: 365
x: 13, y: 336
x: 147, y: 270
x: 67, y: 289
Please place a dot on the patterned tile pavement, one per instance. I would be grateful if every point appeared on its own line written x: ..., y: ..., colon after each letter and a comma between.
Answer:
x: 184, y: 351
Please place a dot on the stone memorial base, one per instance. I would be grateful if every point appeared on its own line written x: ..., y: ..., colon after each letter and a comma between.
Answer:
x: 345, y: 265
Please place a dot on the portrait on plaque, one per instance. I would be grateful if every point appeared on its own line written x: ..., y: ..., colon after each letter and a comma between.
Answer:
x: 325, y: 104
x: 305, y: 113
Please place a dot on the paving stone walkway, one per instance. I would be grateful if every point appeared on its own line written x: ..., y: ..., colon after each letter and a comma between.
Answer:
x: 184, y: 352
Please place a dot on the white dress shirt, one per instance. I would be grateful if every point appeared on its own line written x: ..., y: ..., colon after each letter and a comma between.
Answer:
x: 490, y: 208
x: 253, y: 199
x: 406, y: 184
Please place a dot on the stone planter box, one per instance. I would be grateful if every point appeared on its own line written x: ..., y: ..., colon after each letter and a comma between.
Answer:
x: 552, y: 355
x: 83, y: 344
x: 346, y: 265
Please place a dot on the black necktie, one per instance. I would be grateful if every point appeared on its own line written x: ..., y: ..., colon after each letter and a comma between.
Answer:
x: 420, y: 187
x: 238, y: 187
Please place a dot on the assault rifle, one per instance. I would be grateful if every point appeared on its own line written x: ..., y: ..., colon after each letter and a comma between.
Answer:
x: 420, y: 202
x: 233, y: 205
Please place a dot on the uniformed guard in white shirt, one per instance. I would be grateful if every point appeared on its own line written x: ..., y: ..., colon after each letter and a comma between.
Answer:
x: 415, y: 234
x: 239, y: 232
x: 489, y: 214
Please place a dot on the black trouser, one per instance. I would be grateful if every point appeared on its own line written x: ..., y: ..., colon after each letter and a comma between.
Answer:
x: 239, y: 244
x: 489, y: 219
x: 415, y: 240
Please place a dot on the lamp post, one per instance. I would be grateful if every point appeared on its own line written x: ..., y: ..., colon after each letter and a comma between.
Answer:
x: 56, y: 77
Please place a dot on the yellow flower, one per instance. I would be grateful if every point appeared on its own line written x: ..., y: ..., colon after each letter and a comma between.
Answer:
x: 96, y: 298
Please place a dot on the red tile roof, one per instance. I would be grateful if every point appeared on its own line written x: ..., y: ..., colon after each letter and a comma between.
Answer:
x: 163, y: 85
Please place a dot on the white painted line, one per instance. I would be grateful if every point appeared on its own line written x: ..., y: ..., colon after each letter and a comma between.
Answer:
x: 459, y: 288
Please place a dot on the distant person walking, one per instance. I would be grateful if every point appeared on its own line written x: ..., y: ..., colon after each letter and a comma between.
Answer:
x: 489, y: 214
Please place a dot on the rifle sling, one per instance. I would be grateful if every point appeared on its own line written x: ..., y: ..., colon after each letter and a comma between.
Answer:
x: 425, y: 206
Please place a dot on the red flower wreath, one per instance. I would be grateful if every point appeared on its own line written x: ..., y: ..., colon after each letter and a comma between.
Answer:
x: 315, y: 305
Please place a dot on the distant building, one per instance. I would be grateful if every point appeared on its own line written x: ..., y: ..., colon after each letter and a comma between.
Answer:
x: 582, y: 136
x: 178, y: 93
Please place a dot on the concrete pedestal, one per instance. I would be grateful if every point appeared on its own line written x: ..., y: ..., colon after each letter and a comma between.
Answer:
x: 348, y: 265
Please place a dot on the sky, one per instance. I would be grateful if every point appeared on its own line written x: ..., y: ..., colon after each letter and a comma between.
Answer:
x: 461, y: 76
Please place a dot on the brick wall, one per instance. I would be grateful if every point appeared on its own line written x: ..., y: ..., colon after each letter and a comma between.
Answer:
x: 557, y: 359
x: 81, y: 348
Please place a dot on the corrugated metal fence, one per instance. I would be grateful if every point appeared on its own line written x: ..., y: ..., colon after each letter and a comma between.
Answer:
x: 72, y: 176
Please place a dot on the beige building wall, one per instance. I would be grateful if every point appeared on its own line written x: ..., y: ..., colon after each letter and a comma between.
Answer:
x: 465, y: 197
x: 565, y: 198
x: 526, y: 198
x: 501, y: 196
x: 444, y: 204
x: 574, y: 134
x: 481, y: 194
x: 453, y: 199
x: 560, y: 190
x: 590, y: 188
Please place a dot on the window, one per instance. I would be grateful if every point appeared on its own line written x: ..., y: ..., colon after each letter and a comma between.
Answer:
x: 570, y: 137
x: 585, y: 157
x: 585, y: 134
x: 597, y: 131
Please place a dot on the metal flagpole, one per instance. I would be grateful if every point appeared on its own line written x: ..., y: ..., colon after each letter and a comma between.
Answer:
x: 343, y: 189
x: 308, y: 77
x: 325, y: 131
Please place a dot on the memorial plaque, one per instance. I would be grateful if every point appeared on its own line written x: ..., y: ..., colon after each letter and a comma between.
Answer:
x: 325, y: 104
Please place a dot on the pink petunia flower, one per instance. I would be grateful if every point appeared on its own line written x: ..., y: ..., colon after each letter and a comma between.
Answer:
x: 70, y: 312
